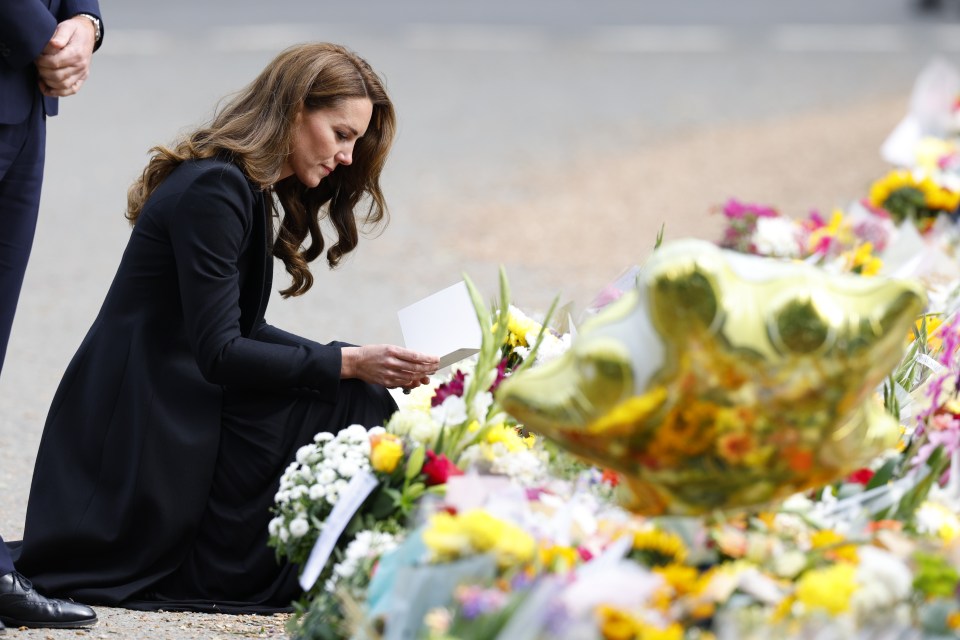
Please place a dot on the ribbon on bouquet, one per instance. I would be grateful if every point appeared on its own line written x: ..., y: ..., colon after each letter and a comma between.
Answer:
x: 359, y: 487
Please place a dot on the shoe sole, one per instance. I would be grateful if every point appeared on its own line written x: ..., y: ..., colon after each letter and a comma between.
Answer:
x: 14, y: 624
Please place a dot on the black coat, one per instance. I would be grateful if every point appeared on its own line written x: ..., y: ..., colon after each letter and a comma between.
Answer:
x: 128, y: 462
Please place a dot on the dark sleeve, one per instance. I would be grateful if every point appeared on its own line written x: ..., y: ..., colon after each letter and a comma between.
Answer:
x: 270, y: 333
x: 70, y: 8
x: 25, y: 29
x: 207, y: 231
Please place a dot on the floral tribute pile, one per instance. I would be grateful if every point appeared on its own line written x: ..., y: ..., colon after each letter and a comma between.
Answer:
x: 471, y: 527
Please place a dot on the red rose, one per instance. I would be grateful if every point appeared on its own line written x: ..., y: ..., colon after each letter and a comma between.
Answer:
x: 610, y: 477
x: 438, y: 468
x: 861, y: 476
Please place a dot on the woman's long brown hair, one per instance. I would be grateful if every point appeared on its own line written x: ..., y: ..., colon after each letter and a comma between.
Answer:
x: 254, y: 130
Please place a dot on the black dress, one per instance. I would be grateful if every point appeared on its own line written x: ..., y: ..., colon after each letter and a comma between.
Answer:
x: 167, y: 437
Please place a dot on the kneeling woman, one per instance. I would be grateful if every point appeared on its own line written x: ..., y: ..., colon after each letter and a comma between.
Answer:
x: 167, y: 437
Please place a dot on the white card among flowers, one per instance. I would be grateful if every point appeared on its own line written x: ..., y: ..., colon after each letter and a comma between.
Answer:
x: 443, y: 324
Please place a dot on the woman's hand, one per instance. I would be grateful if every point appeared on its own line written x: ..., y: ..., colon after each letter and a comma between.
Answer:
x: 388, y: 365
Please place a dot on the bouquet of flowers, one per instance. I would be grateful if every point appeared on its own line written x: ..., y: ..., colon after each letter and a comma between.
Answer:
x: 440, y: 431
x: 913, y: 196
x: 846, y: 242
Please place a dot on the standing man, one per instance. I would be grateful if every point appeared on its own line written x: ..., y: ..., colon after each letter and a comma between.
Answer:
x: 45, y: 52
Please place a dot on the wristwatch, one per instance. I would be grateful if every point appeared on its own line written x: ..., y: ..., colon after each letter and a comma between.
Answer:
x: 97, y: 28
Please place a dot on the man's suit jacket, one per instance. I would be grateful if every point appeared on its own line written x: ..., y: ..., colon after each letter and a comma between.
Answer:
x: 26, y: 27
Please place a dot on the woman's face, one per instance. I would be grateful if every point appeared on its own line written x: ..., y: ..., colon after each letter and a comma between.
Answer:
x: 323, y: 139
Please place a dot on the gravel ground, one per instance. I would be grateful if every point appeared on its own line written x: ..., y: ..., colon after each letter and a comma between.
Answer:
x: 565, y: 225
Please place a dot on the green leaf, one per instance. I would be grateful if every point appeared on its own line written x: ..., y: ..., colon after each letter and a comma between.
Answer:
x: 415, y: 463
x: 912, y: 499
x: 659, y: 236
x: 479, y: 307
x: 883, y: 475
x: 415, y: 490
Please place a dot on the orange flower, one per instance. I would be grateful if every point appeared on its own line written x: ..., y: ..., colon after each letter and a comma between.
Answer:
x: 734, y: 447
x: 799, y: 460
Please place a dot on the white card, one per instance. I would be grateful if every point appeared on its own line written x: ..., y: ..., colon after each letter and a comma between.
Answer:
x: 443, y: 324
x: 359, y: 487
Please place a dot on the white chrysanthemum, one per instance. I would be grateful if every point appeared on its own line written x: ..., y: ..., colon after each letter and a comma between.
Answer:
x: 453, y: 411
x: 283, y: 534
x: 348, y: 468
x: 305, y: 473
x: 934, y: 519
x: 299, y: 527
x: 526, y: 467
x: 778, y: 237
x: 333, y: 496
x: 376, y: 431
x: 307, y: 453
x: 416, y: 425
x: 883, y: 580
x: 323, y: 436
x: 366, y: 545
x: 274, y: 527
x: 355, y: 433
x: 789, y: 564
x: 326, y: 475
x: 318, y: 492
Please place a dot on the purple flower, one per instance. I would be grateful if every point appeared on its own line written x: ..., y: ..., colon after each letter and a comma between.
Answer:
x: 452, y: 388
x: 476, y: 601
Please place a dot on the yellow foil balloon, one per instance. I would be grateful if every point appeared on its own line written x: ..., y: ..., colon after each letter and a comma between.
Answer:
x: 725, y: 380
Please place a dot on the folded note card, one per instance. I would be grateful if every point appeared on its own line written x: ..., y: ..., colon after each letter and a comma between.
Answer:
x: 443, y: 324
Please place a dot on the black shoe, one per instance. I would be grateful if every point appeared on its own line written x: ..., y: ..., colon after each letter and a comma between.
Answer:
x: 22, y: 606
